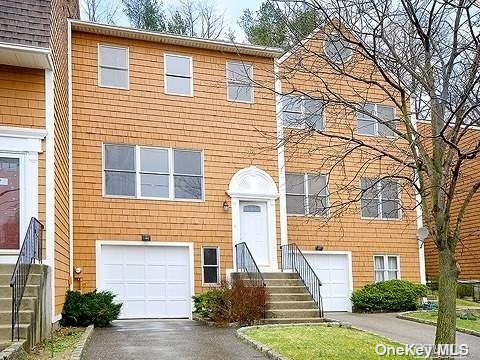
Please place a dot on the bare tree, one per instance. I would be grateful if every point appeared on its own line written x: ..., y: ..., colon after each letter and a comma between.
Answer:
x: 420, y: 56
x: 100, y: 11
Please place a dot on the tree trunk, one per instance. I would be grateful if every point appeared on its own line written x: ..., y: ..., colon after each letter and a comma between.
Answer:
x: 447, y: 295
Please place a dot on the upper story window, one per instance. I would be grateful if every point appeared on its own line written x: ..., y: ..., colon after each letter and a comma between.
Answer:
x: 153, y: 173
x: 307, y: 194
x: 386, y: 267
x: 239, y: 82
x: 113, y: 66
x: 302, y: 112
x: 380, y: 199
x: 368, y: 125
x: 336, y: 48
x: 178, y: 75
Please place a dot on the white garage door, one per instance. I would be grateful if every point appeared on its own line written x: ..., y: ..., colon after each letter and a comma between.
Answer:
x: 150, y: 281
x: 333, y: 272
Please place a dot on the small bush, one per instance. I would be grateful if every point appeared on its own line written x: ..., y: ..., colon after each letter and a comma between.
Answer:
x: 392, y: 295
x: 241, y: 303
x: 464, y: 290
x: 467, y: 315
x: 95, y: 308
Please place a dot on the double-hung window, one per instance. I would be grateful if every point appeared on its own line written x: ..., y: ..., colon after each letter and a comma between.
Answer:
x: 380, y: 199
x: 178, y: 75
x: 368, y: 124
x: 153, y: 173
x: 386, y: 267
x: 239, y: 81
x: 302, y: 112
x: 210, y: 265
x: 307, y: 194
x: 113, y: 66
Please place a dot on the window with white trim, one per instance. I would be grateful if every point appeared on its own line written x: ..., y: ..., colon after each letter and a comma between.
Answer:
x: 368, y: 124
x: 113, y: 66
x: 210, y: 265
x: 302, y: 112
x: 156, y: 173
x: 239, y: 81
x: 380, y: 198
x: 307, y: 194
x: 178, y: 75
x: 386, y: 267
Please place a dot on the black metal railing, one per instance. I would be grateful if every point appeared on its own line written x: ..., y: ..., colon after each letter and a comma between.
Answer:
x: 247, y: 264
x: 30, y: 252
x: 293, y: 259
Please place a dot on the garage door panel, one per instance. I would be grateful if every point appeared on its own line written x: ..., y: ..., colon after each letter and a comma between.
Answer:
x: 150, y: 281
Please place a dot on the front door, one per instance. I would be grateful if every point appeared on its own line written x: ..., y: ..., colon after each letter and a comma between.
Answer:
x: 254, y: 231
x: 9, y: 203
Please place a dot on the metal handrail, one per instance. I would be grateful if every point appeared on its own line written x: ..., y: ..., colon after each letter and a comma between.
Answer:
x: 246, y: 263
x: 31, y: 250
x: 293, y: 259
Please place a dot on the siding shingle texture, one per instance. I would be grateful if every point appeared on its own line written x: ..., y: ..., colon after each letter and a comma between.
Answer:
x: 25, y: 22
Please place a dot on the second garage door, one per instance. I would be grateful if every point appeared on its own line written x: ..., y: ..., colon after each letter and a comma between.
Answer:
x: 333, y: 271
x: 150, y: 281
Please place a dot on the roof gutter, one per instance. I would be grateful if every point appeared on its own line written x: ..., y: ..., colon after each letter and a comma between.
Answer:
x: 25, y: 56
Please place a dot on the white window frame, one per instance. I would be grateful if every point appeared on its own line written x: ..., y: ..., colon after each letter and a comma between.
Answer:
x: 306, y: 195
x: 99, y: 67
x: 242, y: 63
x: 138, y: 172
x: 205, y: 284
x: 165, y: 74
x: 303, y: 125
x: 380, y: 212
x: 386, y: 269
x: 363, y: 116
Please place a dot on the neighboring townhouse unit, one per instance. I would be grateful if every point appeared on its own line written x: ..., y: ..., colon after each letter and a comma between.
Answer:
x: 364, y: 236
x: 174, y: 162
x: 34, y: 146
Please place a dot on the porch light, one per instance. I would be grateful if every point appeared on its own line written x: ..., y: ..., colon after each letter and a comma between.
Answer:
x: 226, y: 206
x: 146, y: 237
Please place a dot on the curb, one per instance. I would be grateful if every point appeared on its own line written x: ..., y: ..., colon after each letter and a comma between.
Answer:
x: 79, y: 351
x: 269, y: 352
x: 405, y: 316
x: 15, y: 351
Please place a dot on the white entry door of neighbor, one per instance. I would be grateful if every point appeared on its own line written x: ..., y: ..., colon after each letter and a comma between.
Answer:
x: 150, y: 281
x: 254, y: 230
x: 333, y: 272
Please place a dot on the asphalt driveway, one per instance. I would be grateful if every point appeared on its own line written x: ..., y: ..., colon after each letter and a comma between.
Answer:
x: 167, y: 340
x: 404, y: 331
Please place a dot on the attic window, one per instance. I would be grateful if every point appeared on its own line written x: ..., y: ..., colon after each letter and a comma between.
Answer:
x: 337, y: 48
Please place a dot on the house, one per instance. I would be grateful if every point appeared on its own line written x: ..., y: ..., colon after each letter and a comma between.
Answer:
x: 178, y: 155
x: 34, y: 139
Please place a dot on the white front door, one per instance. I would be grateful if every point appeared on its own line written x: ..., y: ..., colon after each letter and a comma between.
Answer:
x: 333, y: 270
x: 150, y: 281
x: 254, y: 231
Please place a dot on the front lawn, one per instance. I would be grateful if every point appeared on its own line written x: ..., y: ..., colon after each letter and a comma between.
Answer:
x: 432, y: 316
x: 321, y: 342
x: 461, y: 303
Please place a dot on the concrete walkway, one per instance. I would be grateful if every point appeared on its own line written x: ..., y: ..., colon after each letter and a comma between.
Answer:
x: 167, y: 340
x: 404, y: 331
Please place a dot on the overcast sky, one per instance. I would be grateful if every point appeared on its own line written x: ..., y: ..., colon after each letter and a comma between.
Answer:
x: 233, y: 10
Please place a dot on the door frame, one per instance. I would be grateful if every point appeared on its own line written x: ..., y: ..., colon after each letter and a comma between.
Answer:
x: 189, y: 245
x: 350, y: 271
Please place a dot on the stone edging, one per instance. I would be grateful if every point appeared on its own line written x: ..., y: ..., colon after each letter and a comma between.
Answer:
x: 15, y: 351
x: 405, y: 316
x: 269, y: 352
x: 79, y: 351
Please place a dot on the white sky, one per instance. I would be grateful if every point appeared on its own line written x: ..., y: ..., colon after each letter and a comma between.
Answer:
x: 233, y: 10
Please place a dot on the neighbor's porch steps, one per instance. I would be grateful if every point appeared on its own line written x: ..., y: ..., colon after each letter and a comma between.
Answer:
x: 29, y: 303
x: 289, y: 300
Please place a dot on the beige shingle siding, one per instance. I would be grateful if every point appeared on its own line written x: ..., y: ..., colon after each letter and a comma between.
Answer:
x: 230, y: 134
x: 25, y: 22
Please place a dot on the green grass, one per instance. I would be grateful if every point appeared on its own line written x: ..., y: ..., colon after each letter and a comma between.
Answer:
x: 59, y: 345
x: 322, y: 343
x: 432, y: 316
x: 467, y: 304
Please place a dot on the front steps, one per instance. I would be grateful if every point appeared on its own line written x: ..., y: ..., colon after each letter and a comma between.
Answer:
x: 289, y: 301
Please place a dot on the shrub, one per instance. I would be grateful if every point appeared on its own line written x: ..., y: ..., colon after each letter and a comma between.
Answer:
x: 467, y: 315
x: 464, y: 290
x: 392, y: 295
x: 95, y: 308
x: 241, y: 303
